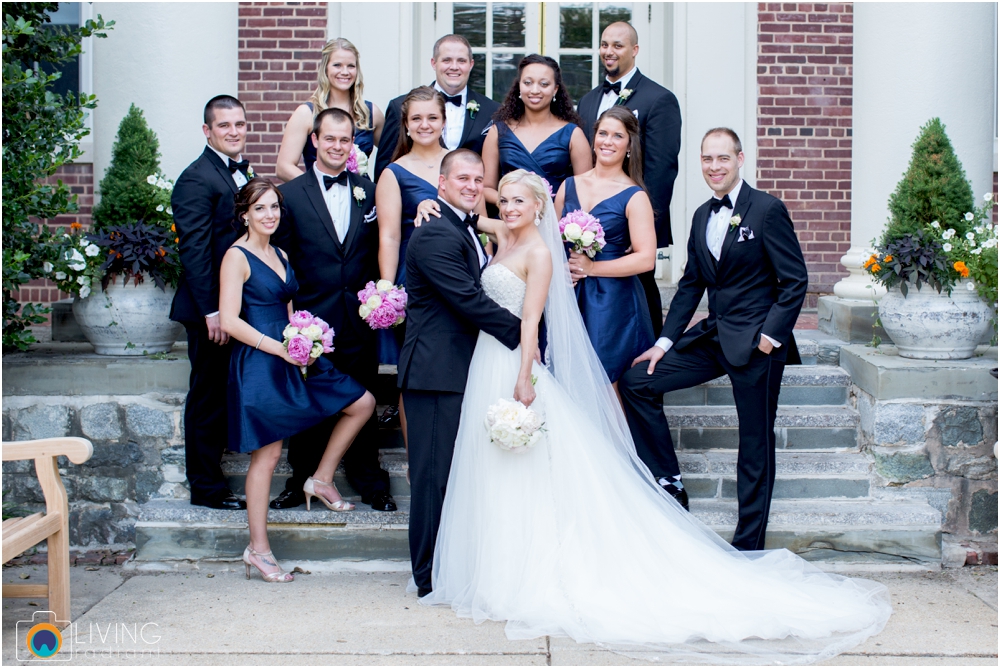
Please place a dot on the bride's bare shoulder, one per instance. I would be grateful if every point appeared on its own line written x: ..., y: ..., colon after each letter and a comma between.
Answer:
x: 538, y: 259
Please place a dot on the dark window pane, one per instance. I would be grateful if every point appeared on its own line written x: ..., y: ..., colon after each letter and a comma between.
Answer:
x: 504, y: 72
x: 469, y: 21
x: 477, y: 78
x: 68, y: 13
x: 508, y: 24
x: 576, y: 72
x: 575, y: 26
x: 611, y: 13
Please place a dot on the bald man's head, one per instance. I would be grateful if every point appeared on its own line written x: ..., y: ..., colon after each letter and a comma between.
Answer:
x: 619, y: 47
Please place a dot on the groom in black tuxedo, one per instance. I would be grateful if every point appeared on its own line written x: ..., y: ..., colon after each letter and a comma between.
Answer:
x: 467, y: 113
x: 659, y: 118
x: 744, y: 252
x: 330, y: 232
x: 203, y: 205
x: 446, y: 310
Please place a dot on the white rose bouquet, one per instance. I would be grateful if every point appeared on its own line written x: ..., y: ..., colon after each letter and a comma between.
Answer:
x: 513, y: 426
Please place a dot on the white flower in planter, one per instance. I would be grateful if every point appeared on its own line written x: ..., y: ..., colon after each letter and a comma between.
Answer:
x: 969, y: 216
x: 151, y: 179
x: 988, y: 197
x: 82, y: 280
x: 47, y: 267
x: 84, y: 292
x: 936, y: 225
x: 60, y: 275
x: 92, y: 250
x: 159, y: 207
x: 970, y: 286
x: 947, y: 248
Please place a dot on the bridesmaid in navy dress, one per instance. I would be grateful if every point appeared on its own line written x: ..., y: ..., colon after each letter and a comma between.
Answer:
x: 610, y: 296
x: 536, y: 113
x: 268, y: 398
x: 340, y: 85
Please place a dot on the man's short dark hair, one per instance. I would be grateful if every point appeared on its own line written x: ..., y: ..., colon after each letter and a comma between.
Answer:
x: 334, y: 113
x: 221, y: 102
x: 462, y: 154
x: 452, y: 38
x: 724, y: 131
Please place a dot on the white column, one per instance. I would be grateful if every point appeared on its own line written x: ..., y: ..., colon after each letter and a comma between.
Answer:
x: 912, y: 62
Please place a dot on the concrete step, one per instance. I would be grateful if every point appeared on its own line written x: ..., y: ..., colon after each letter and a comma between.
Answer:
x: 817, y: 385
x: 830, y: 530
x: 798, y: 427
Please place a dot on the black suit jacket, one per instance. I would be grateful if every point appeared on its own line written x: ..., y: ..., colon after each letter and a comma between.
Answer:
x: 659, y: 118
x: 473, y: 132
x: 330, y: 273
x: 756, y: 287
x: 204, y: 213
x: 447, y: 307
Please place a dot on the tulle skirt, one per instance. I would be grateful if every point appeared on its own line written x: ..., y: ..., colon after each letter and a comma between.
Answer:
x: 570, y: 539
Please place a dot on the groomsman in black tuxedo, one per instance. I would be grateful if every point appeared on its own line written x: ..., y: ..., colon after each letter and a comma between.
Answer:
x: 445, y: 312
x: 203, y: 207
x: 467, y: 113
x: 330, y: 232
x: 744, y: 252
x: 659, y: 118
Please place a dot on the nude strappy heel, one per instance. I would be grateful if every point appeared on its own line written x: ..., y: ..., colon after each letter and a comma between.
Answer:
x: 309, y: 489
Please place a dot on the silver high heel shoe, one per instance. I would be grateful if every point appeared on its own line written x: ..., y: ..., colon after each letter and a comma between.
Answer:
x: 309, y: 489
x: 280, y: 576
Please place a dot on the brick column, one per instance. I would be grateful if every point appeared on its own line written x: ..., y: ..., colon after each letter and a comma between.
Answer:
x: 804, y: 118
x: 279, y: 46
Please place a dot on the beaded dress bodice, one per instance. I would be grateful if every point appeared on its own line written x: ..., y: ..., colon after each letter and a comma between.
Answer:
x: 504, y: 287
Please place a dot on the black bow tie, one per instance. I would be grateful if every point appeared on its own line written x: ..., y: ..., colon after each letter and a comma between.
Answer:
x: 472, y: 220
x: 608, y: 86
x: 242, y: 166
x: 719, y: 203
x: 330, y: 180
x: 453, y: 99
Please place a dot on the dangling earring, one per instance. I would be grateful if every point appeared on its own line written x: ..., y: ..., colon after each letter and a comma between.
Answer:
x: 538, y: 218
x: 628, y: 154
x: 407, y: 133
x: 246, y: 223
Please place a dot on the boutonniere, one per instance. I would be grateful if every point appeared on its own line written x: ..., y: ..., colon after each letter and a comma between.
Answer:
x: 735, y: 221
x: 250, y: 173
x: 624, y: 95
x: 359, y: 194
x: 483, y: 239
x: 473, y: 108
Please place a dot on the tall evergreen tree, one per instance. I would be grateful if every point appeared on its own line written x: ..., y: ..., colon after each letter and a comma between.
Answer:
x: 934, y: 187
x: 126, y: 196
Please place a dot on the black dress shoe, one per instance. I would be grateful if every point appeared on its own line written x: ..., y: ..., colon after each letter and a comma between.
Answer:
x: 288, y: 499
x: 389, y: 418
x: 382, y: 501
x: 423, y: 591
x: 227, y: 501
x: 681, y: 496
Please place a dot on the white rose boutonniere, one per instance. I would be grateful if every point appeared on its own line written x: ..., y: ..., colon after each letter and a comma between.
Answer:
x: 473, y: 108
x: 250, y: 173
x: 624, y: 95
x: 735, y: 221
x: 359, y: 194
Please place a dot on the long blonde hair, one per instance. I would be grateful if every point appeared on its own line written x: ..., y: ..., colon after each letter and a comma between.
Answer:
x: 359, y: 110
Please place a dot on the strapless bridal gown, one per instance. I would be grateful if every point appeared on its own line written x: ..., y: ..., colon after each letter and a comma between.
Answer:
x: 568, y: 539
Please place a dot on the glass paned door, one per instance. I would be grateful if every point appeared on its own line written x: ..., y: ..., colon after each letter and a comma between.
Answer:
x: 501, y: 33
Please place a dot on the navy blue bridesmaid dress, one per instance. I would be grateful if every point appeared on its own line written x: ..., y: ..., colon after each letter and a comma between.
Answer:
x: 550, y: 159
x: 365, y: 139
x: 269, y: 400
x: 614, y: 309
x: 412, y: 190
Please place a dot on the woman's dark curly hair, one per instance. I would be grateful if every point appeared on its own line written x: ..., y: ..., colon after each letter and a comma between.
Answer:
x: 512, y: 108
x: 248, y: 196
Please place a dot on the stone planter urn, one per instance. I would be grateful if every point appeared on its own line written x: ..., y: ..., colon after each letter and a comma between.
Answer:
x: 927, y: 325
x: 128, y: 319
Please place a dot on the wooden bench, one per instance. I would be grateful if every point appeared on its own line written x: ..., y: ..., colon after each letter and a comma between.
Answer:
x: 20, y: 533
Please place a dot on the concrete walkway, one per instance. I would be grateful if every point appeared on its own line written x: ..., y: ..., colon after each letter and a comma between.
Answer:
x: 213, y: 616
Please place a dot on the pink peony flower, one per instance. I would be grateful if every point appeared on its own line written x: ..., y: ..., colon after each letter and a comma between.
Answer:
x: 299, y: 348
x: 323, y: 325
x: 327, y: 341
x: 397, y: 298
x: 301, y: 319
x: 368, y: 291
x: 383, y: 317
x: 352, y: 162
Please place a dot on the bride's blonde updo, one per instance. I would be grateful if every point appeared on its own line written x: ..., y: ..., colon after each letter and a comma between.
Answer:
x: 533, y: 181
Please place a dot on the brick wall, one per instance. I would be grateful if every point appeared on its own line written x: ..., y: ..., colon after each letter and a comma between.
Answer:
x: 279, y: 45
x: 80, y: 180
x: 804, y: 113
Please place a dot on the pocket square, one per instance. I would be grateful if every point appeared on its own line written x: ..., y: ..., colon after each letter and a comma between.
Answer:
x: 746, y: 234
x: 370, y: 217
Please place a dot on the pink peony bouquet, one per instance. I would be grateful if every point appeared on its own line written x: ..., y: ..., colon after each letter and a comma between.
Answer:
x: 307, y: 337
x: 357, y: 161
x: 583, y: 231
x: 383, y: 305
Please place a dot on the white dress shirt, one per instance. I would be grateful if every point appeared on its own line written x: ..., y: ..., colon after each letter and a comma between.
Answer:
x: 715, y: 235
x: 475, y: 240
x: 454, y: 119
x: 338, y: 203
x: 611, y: 97
x: 238, y: 176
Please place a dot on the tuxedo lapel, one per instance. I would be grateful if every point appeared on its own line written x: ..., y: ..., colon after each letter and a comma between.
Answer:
x: 319, y: 205
x: 463, y: 230
x: 357, y: 211
x: 221, y: 168
x: 469, y: 121
x: 634, y: 84
x: 740, y: 209
x: 706, y: 258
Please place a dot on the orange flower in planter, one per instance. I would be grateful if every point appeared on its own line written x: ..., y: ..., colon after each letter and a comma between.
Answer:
x: 173, y: 228
x: 872, y: 260
x: 876, y: 268
x: 75, y: 226
x: 961, y: 269
x: 888, y: 258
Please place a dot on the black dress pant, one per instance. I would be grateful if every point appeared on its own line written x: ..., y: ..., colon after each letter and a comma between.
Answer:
x: 305, y: 449
x: 205, y: 414
x: 653, y: 301
x: 432, y: 426
x: 755, y: 388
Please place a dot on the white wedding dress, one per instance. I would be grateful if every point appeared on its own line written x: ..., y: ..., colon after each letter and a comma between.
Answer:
x: 574, y: 537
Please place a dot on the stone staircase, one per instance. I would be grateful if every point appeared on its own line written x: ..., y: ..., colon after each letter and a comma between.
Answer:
x: 828, y: 504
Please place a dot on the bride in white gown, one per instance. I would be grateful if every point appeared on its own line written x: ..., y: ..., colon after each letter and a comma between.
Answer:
x: 574, y: 537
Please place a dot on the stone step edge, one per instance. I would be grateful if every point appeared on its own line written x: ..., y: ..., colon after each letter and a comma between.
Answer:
x: 788, y: 417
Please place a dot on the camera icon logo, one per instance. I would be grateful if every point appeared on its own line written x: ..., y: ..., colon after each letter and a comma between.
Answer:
x: 39, y: 639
